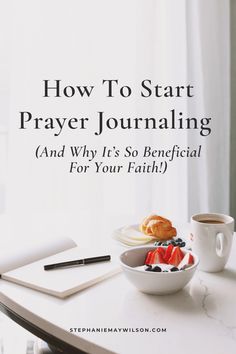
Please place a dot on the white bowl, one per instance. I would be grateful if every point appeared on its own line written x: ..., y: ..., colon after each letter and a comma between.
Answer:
x: 158, y: 283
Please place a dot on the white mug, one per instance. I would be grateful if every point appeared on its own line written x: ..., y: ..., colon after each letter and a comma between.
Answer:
x: 212, y: 236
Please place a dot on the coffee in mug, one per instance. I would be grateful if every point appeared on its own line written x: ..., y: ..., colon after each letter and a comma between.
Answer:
x: 211, y: 221
x: 212, y: 236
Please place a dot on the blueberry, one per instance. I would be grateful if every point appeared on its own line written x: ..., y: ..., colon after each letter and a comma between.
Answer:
x: 182, y: 244
x: 164, y: 244
x: 179, y: 239
x: 156, y: 269
x: 149, y: 268
x: 174, y: 243
x: 159, y: 243
x: 174, y: 269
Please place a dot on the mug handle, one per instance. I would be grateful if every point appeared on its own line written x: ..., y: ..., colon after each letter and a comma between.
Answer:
x: 221, y: 244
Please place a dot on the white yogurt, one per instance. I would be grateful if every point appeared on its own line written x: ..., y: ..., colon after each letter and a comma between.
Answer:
x: 163, y: 266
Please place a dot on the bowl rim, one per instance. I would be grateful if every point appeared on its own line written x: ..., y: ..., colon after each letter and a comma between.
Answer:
x: 150, y: 247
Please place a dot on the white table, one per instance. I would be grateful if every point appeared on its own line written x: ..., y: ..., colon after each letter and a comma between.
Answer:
x: 199, y: 319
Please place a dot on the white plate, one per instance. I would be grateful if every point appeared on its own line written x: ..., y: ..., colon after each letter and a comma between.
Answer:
x: 131, y: 236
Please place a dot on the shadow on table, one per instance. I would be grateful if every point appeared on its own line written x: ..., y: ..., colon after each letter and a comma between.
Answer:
x: 228, y: 273
x: 187, y: 301
x: 181, y: 301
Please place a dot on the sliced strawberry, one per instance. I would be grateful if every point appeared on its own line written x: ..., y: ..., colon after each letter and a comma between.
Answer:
x: 157, y: 256
x: 176, y: 256
x: 168, y: 252
x: 148, y: 257
x: 186, y: 262
x: 161, y: 250
x: 152, y: 258
x: 190, y: 260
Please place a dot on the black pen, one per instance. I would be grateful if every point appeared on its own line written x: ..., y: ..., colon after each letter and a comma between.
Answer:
x: 78, y: 262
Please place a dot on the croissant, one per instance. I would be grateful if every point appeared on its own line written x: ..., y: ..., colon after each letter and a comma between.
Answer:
x: 158, y: 227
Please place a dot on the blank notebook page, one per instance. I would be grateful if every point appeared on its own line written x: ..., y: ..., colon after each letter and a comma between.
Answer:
x: 65, y: 281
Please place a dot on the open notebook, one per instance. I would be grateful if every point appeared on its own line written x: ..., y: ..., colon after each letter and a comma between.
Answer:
x: 24, y: 266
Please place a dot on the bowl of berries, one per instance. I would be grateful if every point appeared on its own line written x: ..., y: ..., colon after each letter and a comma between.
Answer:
x: 159, y: 270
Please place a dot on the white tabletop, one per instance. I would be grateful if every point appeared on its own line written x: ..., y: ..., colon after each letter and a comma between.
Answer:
x: 199, y: 319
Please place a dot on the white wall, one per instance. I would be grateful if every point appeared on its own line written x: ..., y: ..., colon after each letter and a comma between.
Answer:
x: 82, y: 43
